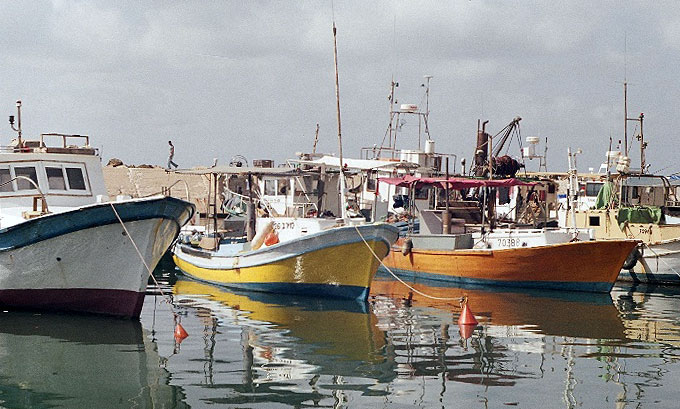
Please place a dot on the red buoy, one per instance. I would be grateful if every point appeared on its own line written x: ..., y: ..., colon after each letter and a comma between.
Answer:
x: 180, y: 333
x: 466, y: 331
x: 466, y: 317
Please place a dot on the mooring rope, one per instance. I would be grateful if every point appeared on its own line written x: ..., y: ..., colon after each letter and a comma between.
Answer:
x: 399, y: 279
x: 138, y: 252
x: 659, y: 257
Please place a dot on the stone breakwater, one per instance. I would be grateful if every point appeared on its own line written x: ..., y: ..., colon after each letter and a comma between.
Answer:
x: 147, y: 181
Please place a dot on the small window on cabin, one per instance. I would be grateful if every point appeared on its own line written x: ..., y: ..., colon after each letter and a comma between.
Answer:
x: 503, y: 195
x: 283, y: 188
x: 76, y: 181
x: 28, y: 172
x: 592, y: 189
x: 371, y: 181
x: 5, y: 184
x: 551, y: 188
x: 55, y: 178
x: 636, y: 194
x: 270, y: 187
x: 594, y: 220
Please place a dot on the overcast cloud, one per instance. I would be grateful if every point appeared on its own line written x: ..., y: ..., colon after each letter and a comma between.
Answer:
x: 253, y: 78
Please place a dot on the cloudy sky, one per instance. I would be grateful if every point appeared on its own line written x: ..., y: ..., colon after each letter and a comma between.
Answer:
x: 222, y: 78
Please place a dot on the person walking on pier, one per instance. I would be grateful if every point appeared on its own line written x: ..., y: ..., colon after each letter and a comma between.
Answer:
x: 171, y: 155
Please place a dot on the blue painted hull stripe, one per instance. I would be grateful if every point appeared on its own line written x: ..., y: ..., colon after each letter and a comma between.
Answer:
x: 594, y: 287
x: 316, y: 290
x: 53, y: 225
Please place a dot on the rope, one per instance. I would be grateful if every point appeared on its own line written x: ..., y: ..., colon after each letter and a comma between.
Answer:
x: 399, y: 279
x: 658, y: 257
x: 138, y: 252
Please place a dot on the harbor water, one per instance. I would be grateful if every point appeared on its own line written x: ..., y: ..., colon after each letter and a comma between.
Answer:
x: 401, y: 349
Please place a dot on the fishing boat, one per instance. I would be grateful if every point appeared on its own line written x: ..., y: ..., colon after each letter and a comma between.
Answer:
x: 301, y: 251
x: 63, y: 244
x: 454, y: 257
x: 289, y: 247
x: 624, y: 202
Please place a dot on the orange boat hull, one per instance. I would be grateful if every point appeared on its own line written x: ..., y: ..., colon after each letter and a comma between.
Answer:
x: 580, y: 266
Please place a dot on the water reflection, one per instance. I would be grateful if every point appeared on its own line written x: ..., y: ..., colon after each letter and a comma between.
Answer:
x: 74, y: 361
x: 293, y: 349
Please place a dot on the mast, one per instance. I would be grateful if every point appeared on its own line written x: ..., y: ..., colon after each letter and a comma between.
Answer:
x: 343, y: 208
x: 643, y: 145
x: 573, y: 189
x: 625, y: 118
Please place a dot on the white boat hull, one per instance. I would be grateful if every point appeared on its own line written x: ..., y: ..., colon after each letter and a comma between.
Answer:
x: 84, y: 260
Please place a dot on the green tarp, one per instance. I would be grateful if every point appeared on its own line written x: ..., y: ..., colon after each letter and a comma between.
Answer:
x: 638, y: 215
x: 605, y: 196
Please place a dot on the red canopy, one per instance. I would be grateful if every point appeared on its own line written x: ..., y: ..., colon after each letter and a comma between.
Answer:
x: 454, y: 183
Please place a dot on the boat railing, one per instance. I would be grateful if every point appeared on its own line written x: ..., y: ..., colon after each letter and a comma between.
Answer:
x: 64, y: 138
x: 399, y: 155
x: 43, y: 207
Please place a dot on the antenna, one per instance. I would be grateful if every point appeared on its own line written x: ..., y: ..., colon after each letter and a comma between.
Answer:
x: 316, y: 138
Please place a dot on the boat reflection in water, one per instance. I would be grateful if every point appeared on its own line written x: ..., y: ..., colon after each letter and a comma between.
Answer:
x: 529, y: 340
x: 51, y: 360
x: 539, y: 312
x: 304, y: 346
x: 532, y: 349
x: 650, y: 312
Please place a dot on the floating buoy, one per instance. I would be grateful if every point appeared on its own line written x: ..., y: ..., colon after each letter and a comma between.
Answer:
x: 466, y: 317
x: 180, y: 333
x: 466, y: 331
x: 271, y: 239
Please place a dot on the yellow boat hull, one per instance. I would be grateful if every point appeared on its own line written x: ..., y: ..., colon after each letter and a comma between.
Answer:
x: 333, y: 263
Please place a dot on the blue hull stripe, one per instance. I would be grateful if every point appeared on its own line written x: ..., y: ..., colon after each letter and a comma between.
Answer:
x: 316, y: 290
x: 594, y: 287
x: 54, y: 225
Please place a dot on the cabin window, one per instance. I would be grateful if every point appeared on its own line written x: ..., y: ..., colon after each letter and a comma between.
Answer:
x: 29, y: 172
x: 55, y: 178
x: 76, y: 181
x: 370, y: 181
x: 594, y: 220
x: 283, y: 188
x: 5, y: 177
x: 503, y: 195
x: 592, y: 189
x: 270, y: 187
x: 636, y: 194
x: 551, y: 188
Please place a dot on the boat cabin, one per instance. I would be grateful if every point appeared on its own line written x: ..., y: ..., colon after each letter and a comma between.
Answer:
x: 55, y: 173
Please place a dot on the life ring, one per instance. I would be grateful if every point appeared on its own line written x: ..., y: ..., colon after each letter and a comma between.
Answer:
x: 632, y: 259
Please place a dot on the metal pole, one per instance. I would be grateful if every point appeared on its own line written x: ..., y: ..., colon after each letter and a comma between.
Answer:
x: 343, y: 208
x: 625, y: 117
x: 446, y: 217
x: 643, y: 145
